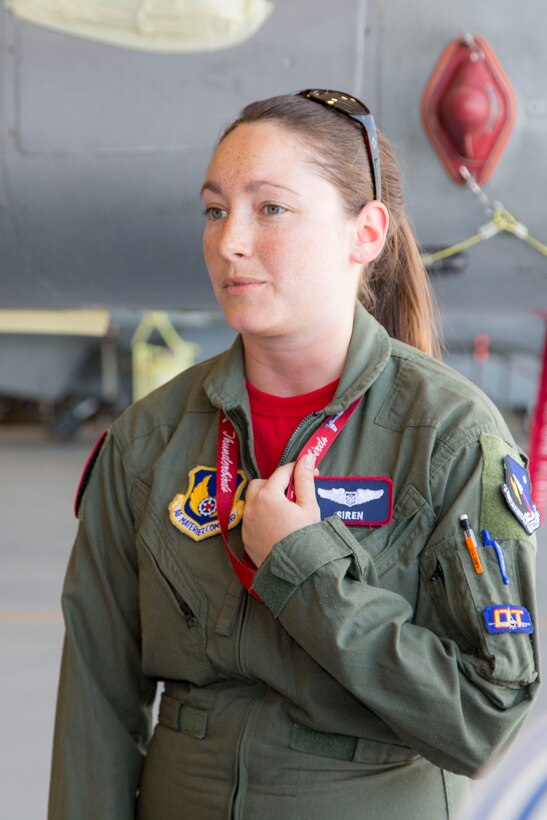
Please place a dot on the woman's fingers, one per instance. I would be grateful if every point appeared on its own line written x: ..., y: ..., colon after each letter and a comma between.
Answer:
x: 304, y: 484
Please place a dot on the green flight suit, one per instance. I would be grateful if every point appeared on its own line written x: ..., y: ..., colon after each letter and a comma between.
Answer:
x: 365, y: 684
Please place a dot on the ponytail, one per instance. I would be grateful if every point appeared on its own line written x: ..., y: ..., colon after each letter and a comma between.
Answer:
x: 395, y: 289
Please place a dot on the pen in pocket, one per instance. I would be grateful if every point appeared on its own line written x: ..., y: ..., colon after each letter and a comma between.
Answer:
x: 491, y: 542
x: 471, y: 543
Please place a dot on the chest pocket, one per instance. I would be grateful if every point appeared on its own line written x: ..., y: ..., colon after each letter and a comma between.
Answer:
x: 396, y: 546
x: 173, y: 608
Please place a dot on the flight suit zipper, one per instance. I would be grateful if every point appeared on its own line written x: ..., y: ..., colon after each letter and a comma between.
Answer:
x: 245, y: 737
x: 240, y: 786
x: 247, y: 464
x: 244, y: 451
x: 438, y: 575
x: 456, y: 632
x: 294, y: 435
x: 184, y: 608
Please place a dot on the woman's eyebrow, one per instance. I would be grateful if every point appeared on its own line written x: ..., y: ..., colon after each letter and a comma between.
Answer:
x: 210, y: 186
x: 251, y: 187
x: 256, y: 184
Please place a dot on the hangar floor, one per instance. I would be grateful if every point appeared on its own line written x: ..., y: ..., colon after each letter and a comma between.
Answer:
x: 37, y: 483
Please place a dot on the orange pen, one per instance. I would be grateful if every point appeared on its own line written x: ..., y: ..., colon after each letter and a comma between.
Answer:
x: 471, y: 543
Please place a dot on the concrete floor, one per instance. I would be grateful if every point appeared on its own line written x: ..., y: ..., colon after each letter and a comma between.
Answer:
x: 38, y: 479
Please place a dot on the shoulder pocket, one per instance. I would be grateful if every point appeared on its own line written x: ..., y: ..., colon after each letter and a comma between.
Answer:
x: 457, y: 596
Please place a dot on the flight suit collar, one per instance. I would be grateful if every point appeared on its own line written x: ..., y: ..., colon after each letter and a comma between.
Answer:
x: 368, y: 353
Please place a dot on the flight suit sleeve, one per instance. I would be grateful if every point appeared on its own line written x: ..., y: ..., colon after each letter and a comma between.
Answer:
x: 104, y: 701
x: 431, y: 670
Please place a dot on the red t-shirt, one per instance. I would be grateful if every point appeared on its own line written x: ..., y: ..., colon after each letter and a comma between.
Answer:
x: 275, y: 418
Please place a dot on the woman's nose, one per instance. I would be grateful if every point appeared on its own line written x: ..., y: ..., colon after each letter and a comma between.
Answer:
x: 236, y: 238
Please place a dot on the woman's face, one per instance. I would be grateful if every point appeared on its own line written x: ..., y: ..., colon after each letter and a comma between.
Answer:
x: 277, y: 242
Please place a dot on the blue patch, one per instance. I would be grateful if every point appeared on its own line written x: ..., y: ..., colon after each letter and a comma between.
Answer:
x: 357, y: 500
x: 501, y: 618
x: 517, y: 493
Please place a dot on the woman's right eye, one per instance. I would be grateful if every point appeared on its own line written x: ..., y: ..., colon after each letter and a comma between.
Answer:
x: 214, y: 213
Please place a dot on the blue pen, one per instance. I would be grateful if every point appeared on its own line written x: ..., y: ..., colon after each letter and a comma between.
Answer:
x: 491, y: 542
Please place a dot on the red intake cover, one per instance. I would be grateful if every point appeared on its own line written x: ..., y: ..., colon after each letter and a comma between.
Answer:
x: 468, y: 108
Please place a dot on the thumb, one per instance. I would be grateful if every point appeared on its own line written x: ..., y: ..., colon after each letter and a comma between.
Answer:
x: 304, y: 484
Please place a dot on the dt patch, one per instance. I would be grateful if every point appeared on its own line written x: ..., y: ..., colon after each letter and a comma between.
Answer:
x: 195, y: 512
x: 501, y: 618
x: 517, y: 493
x: 356, y: 500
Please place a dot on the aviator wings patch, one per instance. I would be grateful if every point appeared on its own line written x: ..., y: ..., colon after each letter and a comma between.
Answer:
x: 350, y: 498
x: 357, y: 500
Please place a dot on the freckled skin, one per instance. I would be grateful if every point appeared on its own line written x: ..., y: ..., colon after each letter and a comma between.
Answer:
x: 291, y: 248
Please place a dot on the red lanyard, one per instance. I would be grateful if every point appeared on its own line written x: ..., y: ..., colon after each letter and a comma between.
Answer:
x: 227, y: 462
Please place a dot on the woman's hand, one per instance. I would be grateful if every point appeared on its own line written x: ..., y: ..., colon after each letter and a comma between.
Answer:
x: 269, y: 515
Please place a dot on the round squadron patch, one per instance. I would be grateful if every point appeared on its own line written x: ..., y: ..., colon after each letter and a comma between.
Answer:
x: 517, y: 493
x: 195, y: 512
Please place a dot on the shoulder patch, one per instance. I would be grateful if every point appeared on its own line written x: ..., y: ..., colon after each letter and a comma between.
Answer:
x: 88, y: 469
x: 517, y: 492
x: 495, y: 514
x: 194, y: 513
x: 503, y: 618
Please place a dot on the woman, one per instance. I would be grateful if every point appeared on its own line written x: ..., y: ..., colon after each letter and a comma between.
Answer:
x: 329, y: 646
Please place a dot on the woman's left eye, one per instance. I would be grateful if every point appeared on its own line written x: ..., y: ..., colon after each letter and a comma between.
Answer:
x: 214, y: 214
x: 273, y: 210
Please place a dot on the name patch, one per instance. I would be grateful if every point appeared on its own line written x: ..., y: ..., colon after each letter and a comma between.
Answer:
x: 501, y: 618
x: 195, y: 512
x: 356, y: 500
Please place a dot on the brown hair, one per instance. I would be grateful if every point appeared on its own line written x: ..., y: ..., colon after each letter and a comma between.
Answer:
x: 395, y: 287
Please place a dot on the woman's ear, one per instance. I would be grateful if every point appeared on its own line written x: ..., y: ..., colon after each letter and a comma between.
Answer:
x: 371, y: 224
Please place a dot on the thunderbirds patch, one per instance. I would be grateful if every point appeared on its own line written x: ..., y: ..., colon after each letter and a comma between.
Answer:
x: 195, y: 512
x: 517, y: 493
x: 357, y: 500
x: 501, y: 618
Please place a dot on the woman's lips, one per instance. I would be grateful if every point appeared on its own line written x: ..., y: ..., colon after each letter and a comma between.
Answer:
x: 240, y: 284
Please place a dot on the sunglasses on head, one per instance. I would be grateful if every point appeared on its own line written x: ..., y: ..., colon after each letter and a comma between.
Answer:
x: 355, y: 110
